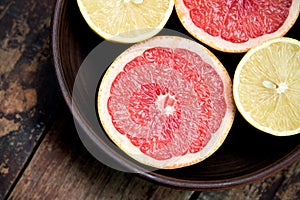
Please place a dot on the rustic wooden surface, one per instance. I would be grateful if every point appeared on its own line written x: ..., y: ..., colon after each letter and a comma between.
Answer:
x: 62, y: 169
x: 41, y: 156
x: 27, y: 84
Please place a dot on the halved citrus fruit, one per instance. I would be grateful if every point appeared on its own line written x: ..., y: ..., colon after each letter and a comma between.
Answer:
x: 236, y: 26
x: 166, y: 102
x: 126, y: 21
x: 266, y: 86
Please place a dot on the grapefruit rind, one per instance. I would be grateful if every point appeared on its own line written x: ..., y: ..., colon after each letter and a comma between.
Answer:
x: 143, y: 33
x: 124, y: 143
x: 236, y: 81
x: 226, y: 46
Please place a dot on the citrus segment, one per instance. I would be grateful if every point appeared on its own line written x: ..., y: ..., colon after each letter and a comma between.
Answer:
x: 236, y: 26
x: 158, y: 105
x: 267, y: 86
x: 126, y: 21
x: 213, y: 81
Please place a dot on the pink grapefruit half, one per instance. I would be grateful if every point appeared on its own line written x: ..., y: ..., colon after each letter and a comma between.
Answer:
x: 237, y: 26
x: 166, y: 102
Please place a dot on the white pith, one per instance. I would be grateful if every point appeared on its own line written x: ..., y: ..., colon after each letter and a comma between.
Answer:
x: 161, y: 101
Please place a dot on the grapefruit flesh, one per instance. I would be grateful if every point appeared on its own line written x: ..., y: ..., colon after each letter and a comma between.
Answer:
x: 238, y: 25
x: 168, y: 103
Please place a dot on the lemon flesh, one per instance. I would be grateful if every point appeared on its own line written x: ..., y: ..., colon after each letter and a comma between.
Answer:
x: 126, y: 21
x: 267, y: 86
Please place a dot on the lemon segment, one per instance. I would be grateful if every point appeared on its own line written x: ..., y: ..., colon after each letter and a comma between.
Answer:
x: 126, y: 21
x: 266, y: 86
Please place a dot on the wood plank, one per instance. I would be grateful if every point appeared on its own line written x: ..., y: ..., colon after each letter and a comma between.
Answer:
x: 290, y: 186
x: 284, y: 185
x: 28, y: 89
x: 63, y: 169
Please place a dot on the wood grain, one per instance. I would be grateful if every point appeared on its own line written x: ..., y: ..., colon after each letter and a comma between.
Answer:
x: 284, y: 185
x: 27, y: 83
x: 63, y: 169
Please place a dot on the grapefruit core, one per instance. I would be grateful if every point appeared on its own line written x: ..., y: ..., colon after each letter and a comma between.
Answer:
x: 236, y: 26
x: 166, y: 102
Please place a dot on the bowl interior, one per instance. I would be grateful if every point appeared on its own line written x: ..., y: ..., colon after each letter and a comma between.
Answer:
x: 246, y: 155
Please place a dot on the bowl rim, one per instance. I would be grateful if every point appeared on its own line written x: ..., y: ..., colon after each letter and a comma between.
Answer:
x: 59, y: 8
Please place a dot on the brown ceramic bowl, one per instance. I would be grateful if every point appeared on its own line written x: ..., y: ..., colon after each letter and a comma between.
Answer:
x: 247, y: 155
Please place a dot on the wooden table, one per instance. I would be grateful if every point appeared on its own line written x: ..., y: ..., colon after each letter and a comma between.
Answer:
x: 41, y: 156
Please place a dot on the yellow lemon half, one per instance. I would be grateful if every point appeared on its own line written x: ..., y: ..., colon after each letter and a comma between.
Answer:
x: 126, y: 21
x: 266, y: 86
